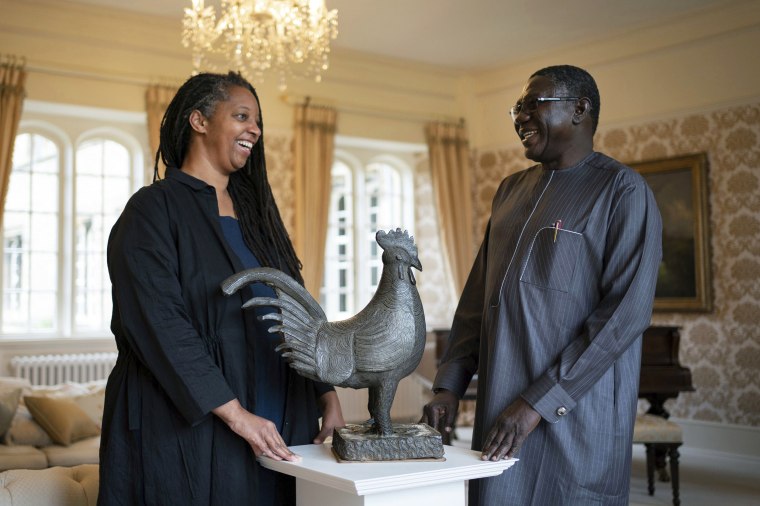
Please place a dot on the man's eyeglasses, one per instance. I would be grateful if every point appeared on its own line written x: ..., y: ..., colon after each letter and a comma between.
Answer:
x: 530, y: 105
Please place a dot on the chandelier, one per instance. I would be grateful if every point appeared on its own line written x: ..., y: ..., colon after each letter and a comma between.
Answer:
x: 287, y: 37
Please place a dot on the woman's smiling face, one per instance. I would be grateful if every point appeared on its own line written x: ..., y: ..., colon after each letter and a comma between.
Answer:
x: 232, y: 130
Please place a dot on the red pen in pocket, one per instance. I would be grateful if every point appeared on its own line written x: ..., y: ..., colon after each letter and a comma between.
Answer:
x: 557, y: 227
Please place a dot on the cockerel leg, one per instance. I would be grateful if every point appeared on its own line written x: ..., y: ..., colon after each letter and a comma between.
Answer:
x: 380, y: 401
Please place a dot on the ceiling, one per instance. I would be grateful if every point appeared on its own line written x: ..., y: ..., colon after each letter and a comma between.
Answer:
x: 473, y: 34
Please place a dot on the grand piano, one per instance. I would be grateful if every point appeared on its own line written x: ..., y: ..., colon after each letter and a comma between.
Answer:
x: 662, y: 375
x: 662, y: 378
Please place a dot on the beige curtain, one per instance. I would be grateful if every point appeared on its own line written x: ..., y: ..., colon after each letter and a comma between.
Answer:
x: 313, y: 144
x: 449, y: 165
x: 157, y: 98
x: 12, y: 79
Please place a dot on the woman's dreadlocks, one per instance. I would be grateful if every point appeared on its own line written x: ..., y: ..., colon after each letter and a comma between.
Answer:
x: 260, y: 220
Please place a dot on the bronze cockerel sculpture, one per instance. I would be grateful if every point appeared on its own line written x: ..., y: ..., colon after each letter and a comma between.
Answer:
x: 374, y: 349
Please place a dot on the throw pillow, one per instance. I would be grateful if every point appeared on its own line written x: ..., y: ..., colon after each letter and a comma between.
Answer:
x: 69, y: 389
x: 25, y: 431
x: 62, y: 419
x: 92, y: 404
x: 11, y: 383
x: 8, y: 406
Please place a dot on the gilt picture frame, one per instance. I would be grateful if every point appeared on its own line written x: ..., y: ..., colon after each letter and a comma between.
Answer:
x: 680, y: 188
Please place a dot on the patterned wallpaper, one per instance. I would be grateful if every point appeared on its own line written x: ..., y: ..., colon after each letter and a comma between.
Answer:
x: 279, y: 156
x: 722, y: 348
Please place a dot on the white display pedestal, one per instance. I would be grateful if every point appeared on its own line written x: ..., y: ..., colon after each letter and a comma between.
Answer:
x: 322, y: 481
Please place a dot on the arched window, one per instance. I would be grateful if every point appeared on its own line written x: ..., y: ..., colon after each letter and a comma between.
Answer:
x: 102, y: 187
x: 371, y: 190
x: 63, y: 199
x: 31, y: 237
x: 339, y: 283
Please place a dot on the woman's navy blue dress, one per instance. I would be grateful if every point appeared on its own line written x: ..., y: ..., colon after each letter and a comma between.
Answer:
x: 271, y: 370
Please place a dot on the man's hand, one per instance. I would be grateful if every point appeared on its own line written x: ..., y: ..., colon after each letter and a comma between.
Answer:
x: 510, y: 430
x: 441, y: 413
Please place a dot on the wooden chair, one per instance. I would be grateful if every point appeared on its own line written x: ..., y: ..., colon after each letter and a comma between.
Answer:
x: 655, y: 432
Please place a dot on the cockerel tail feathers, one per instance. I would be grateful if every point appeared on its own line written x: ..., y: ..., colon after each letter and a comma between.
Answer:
x: 285, y: 303
x: 280, y: 281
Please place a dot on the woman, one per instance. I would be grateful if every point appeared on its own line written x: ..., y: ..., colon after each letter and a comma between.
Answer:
x: 198, y: 390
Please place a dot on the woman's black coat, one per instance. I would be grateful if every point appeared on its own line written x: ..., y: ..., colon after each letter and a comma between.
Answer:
x: 184, y: 349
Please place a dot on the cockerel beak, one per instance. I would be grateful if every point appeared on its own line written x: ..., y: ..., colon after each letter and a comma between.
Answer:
x: 416, y: 264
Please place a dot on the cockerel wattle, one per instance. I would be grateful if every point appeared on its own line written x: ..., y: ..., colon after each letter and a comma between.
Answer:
x: 374, y: 349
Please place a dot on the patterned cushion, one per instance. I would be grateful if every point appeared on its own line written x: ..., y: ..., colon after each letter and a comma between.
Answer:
x: 656, y: 429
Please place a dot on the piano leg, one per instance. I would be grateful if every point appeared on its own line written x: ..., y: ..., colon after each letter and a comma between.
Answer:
x: 650, y: 468
x: 657, y: 407
x: 673, y: 453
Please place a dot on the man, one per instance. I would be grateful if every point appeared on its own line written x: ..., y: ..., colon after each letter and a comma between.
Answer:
x: 552, y: 313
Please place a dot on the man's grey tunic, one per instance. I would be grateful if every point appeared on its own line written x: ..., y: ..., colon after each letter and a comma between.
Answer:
x: 553, y: 311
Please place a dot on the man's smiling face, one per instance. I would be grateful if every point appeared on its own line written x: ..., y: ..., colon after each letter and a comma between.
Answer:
x: 546, y: 132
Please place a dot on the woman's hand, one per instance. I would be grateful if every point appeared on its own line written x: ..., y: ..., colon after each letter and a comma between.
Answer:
x: 332, y: 416
x: 259, y: 432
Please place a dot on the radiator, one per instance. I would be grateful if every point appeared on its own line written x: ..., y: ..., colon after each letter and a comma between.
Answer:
x: 55, y: 369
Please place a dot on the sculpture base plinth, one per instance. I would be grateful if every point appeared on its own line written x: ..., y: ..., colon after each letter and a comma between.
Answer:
x: 418, y: 441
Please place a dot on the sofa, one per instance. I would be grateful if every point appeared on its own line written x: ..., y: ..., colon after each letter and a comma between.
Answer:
x: 49, y: 443
x: 54, y: 486
x: 48, y: 426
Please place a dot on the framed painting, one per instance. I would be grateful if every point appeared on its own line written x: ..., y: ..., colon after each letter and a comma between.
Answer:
x: 679, y: 185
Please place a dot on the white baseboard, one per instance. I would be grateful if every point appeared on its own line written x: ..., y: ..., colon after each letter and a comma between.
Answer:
x: 721, y: 437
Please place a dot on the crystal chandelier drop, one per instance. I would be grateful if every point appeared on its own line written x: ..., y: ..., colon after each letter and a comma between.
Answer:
x: 287, y: 37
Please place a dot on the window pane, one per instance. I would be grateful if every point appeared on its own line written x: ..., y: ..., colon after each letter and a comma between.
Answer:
x: 102, y: 189
x: 116, y: 160
x: 17, y: 223
x: 31, y: 237
x: 89, y: 194
x: 22, y: 153
x: 44, y: 151
x: 15, y: 311
x: 338, y: 280
x: 44, y: 232
x: 19, y: 192
x: 43, y: 272
x: 90, y: 158
x: 47, y: 164
x: 45, y: 192
x: 42, y: 311
x: 115, y: 195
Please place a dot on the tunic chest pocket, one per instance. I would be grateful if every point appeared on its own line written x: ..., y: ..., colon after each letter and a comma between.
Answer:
x: 551, y: 260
